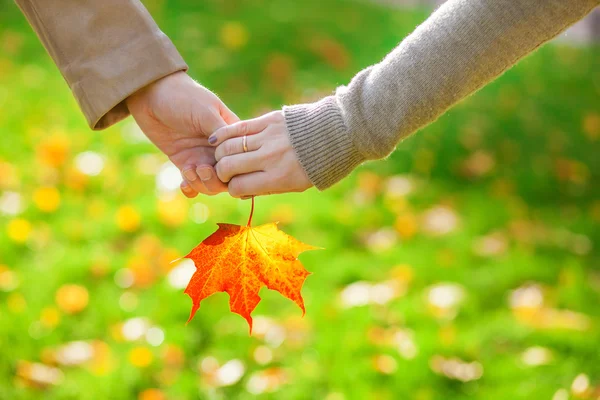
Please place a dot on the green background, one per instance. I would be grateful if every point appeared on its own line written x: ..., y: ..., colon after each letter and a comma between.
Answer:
x: 497, y: 205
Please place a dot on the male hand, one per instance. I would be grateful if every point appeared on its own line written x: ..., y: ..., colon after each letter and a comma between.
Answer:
x: 177, y: 114
x: 269, y: 165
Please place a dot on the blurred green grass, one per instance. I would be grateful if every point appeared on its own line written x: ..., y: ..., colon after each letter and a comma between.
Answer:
x: 501, y: 193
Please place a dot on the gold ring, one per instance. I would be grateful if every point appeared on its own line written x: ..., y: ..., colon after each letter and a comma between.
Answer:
x: 245, y: 143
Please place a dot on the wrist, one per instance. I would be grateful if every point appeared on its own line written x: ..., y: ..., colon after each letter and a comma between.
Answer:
x: 142, y: 99
x: 320, y: 139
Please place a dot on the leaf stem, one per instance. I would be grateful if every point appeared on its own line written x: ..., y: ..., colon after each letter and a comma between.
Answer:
x: 251, y: 212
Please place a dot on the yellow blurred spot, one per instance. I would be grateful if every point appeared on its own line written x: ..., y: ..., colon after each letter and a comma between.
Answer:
x: 332, y: 52
x: 72, y: 298
x: 173, y: 356
x: 19, y: 230
x: 47, y: 199
x: 148, y: 246
x: 143, y: 270
x: 96, y: 208
x: 8, y: 175
x: 396, y: 204
x: 8, y: 279
x: 16, y: 303
x: 263, y: 355
x: 76, y: 179
x: 128, y: 219
x: 406, y: 226
x: 48, y: 356
x: 385, y: 364
x: 234, y: 35
x: 478, y: 164
x: 54, y: 150
x: 116, y: 331
x: 279, y: 71
x: 152, y: 394
x: 50, y: 317
x: 571, y: 170
x: 100, y: 268
x: 591, y: 126
x: 335, y: 396
x: 12, y: 42
x: 140, y: 357
x: 173, y: 212
x: 369, y: 182
x: 267, y: 381
x: 102, y: 362
x: 166, y: 260
x: 403, y: 273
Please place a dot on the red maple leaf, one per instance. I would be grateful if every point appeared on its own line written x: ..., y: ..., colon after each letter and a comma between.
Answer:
x: 240, y: 260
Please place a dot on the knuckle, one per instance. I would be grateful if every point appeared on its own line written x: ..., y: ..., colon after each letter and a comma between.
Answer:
x: 280, y: 178
x: 219, y: 153
x: 223, y: 169
x: 223, y: 133
x: 235, y: 188
x: 229, y: 147
x: 243, y: 127
x: 196, y: 124
x: 198, y: 120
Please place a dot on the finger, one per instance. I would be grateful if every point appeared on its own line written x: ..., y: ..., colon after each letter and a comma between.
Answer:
x: 196, y: 184
x: 249, y: 127
x: 213, y: 122
x: 236, y: 146
x: 253, y: 184
x: 238, y: 164
x: 207, y: 182
x: 209, y: 179
x: 189, y: 173
x: 187, y: 190
x: 228, y: 116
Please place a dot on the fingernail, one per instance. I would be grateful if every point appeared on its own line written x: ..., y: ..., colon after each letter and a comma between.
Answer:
x: 205, y: 174
x: 246, y: 197
x: 185, y: 187
x: 212, y: 140
x: 190, y: 175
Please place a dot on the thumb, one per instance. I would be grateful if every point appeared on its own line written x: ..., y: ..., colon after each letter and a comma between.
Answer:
x: 217, y: 119
x: 206, y: 121
x: 228, y: 116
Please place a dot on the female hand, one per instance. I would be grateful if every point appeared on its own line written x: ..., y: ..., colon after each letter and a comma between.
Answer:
x: 268, y: 165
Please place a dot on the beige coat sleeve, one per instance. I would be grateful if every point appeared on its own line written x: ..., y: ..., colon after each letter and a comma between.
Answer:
x: 105, y: 49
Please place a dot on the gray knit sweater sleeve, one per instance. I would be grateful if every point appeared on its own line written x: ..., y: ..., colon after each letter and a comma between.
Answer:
x: 458, y: 49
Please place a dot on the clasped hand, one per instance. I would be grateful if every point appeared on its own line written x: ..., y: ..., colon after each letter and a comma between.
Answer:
x: 205, y: 140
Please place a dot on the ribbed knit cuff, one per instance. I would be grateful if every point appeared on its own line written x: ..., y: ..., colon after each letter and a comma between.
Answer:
x: 320, y: 139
